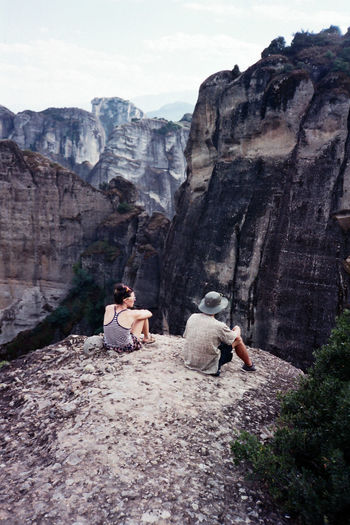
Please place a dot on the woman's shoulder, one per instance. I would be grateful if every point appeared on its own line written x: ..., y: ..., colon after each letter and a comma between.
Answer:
x: 110, y: 307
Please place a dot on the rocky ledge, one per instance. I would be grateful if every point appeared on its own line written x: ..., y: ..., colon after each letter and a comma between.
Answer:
x: 92, y: 438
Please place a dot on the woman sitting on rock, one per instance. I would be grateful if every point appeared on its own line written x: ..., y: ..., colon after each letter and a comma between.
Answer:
x: 123, y: 326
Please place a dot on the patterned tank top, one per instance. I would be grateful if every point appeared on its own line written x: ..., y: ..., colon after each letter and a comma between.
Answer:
x: 116, y: 335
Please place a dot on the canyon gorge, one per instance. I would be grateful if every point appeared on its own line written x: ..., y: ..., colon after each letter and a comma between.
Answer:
x: 262, y: 216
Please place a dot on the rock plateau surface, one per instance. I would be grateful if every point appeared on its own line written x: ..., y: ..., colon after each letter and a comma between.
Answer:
x: 100, y: 438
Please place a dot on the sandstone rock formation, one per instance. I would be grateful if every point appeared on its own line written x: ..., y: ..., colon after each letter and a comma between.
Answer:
x: 129, y: 249
x: 6, y: 122
x: 268, y: 166
x: 149, y: 153
x: 48, y: 215
x: 114, y: 111
x: 132, y: 439
x: 51, y: 220
x: 71, y: 136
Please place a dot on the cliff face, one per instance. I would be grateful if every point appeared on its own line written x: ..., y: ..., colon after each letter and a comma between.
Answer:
x: 149, y: 153
x: 129, y: 249
x: 48, y: 215
x: 50, y: 220
x: 114, y: 111
x: 70, y: 136
x: 73, y: 137
x: 268, y: 165
x: 6, y: 122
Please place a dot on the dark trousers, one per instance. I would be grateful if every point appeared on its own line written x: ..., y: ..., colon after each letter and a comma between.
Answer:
x: 226, y: 354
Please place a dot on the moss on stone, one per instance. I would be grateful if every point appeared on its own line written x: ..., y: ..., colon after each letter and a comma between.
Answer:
x: 109, y: 251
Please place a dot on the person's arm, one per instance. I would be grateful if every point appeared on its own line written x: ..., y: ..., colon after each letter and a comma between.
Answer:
x: 228, y: 336
x: 140, y: 314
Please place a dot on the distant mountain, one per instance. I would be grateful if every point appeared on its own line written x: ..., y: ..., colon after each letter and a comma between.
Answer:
x: 149, y: 102
x: 173, y: 111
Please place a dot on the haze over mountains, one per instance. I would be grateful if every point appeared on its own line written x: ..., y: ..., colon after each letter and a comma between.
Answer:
x: 173, y: 111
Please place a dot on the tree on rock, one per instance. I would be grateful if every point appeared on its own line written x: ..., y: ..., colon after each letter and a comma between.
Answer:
x: 275, y: 48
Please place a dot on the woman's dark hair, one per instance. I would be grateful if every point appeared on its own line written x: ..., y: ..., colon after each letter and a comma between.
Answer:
x: 121, y: 292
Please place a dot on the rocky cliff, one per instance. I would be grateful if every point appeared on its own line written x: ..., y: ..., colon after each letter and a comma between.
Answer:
x: 94, y: 437
x: 149, y: 153
x: 48, y: 215
x: 6, y: 122
x: 114, y: 111
x: 268, y: 167
x: 73, y: 137
x: 51, y: 220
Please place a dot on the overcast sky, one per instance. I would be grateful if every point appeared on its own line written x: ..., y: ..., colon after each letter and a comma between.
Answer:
x: 66, y: 52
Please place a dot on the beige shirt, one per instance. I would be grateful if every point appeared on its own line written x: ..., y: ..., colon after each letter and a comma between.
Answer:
x: 203, y: 335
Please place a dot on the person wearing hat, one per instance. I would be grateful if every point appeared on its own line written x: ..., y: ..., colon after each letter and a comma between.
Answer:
x: 209, y: 342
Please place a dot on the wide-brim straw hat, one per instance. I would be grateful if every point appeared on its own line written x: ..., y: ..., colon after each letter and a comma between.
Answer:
x: 213, y: 303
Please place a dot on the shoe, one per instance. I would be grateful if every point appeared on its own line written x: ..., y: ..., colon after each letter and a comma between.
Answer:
x: 216, y: 374
x: 247, y: 368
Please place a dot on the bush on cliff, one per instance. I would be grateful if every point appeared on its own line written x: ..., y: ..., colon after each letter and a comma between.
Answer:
x: 306, y: 465
x: 84, y: 305
x: 276, y: 47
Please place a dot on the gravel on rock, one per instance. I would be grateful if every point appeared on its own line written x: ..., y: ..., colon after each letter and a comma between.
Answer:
x: 132, y: 439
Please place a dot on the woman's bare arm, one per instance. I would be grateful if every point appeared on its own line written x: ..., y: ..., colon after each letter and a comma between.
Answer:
x: 141, y: 314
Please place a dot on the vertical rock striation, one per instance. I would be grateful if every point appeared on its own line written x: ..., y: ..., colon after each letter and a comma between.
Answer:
x: 149, y: 153
x: 48, y: 215
x: 51, y: 220
x: 114, y: 111
x: 6, y: 122
x: 268, y: 165
x: 70, y: 136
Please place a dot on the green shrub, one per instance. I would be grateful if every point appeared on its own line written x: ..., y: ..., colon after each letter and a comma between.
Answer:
x: 103, y: 186
x: 168, y: 128
x: 84, y: 303
x: 59, y: 316
x: 124, y: 207
x: 109, y: 251
x: 276, y: 47
x: 306, y: 464
x: 341, y: 65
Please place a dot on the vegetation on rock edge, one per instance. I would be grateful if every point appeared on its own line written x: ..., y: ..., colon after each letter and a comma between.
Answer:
x: 84, y: 303
x: 306, y: 465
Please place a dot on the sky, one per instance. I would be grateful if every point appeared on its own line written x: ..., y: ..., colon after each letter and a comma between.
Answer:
x: 63, y: 53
